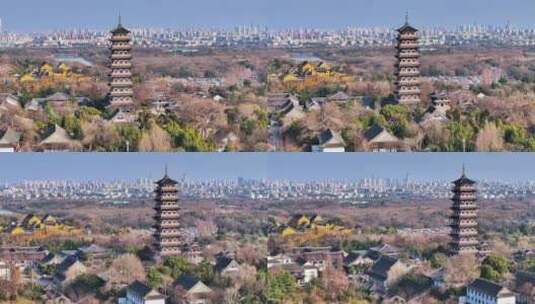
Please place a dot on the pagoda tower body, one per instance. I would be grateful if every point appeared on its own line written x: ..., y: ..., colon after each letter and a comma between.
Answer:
x: 463, y: 219
x: 121, y: 93
x: 407, y: 85
x: 167, y: 235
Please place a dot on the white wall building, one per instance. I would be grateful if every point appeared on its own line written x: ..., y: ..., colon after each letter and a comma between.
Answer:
x: 483, y: 291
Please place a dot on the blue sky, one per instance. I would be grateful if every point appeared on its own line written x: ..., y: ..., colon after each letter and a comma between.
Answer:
x: 32, y: 15
x: 294, y: 166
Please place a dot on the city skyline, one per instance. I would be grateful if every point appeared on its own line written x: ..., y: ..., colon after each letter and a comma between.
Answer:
x: 419, y: 167
x: 276, y: 14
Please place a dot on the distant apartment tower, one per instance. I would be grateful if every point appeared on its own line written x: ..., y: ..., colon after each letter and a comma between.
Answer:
x: 407, y: 85
x: 167, y: 235
x: 463, y: 219
x: 121, y: 87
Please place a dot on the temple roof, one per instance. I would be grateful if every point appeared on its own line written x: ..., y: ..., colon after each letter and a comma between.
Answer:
x: 489, y: 288
x: 166, y: 180
x: 11, y: 137
x: 463, y: 180
x: 120, y: 29
x: 377, y: 133
x: 59, y: 136
x: 407, y: 27
x: 330, y: 137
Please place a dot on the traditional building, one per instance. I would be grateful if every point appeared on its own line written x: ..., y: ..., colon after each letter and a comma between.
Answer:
x: 121, y: 87
x: 139, y: 293
x: 167, y: 237
x: 407, y: 85
x: 463, y: 219
x: 437, y: 112
x: 484, y: 291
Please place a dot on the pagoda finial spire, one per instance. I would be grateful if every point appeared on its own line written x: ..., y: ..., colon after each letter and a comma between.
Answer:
x: 407, y: 17
x: 165, y: 169
x: 464, y: 170
x: 120, y: 20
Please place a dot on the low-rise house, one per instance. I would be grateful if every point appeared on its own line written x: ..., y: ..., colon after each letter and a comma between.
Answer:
x: 322, y: 259
x: 281, y: 259
x: 160, y: 105
x: 380, y: 140
x: 302, y: 274
x: 226, y: 266
x: 58, y: 141
x: 290, y: 110
x: 123, y: 117
x: 482, y: 291
x: 33, y: 106
x: 58, y: 101
x: 386, y: 272
x: 31, y: 221
x: 437, y: 277
x: 383, y: 250
x: 9, y: 102
x: 139, y: 293
x: 54, y: 259
x: 193, y: 254
x: 68, y: 270
x: 23, y: 257
x: 310, y: 272
x: 5, y: 271
x: 339, y: 97
x: 525, y: 287
x: 226, y: 140
x: 315, y: 103
x: 329, y: 141
x: 93, y: 254
x: 358, y: 260
x: 193, y: 290
x: 10, y: 141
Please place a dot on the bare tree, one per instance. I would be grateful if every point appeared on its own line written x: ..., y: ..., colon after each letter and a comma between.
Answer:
x: 125, y: 270
x: 489, y: 139
x: 461, y: 269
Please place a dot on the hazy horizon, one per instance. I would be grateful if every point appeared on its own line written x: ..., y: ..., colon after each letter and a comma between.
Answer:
x: 101, y: 14
x: 277, y: 166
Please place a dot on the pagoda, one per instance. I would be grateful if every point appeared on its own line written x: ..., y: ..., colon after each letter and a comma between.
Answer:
x: 463, y: 218
x: 121, y: 93
x: 167, y: 235
x: 407, y: 85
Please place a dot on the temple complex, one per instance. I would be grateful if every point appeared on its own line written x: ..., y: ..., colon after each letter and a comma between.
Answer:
x: 463, y: 219
x: 167, y: 235
x: 121, y: 87
x: 407, y: 85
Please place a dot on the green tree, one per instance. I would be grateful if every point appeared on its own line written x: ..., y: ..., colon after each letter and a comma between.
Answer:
x: 72, y: 125
x: 279, y: 286
x: 397, y: 118
x: 154, y: 277
x: 188, y: 138
x: 205, y: 272
x: 177, y: 266
x: 498, y: 263
x: 490, y: 274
